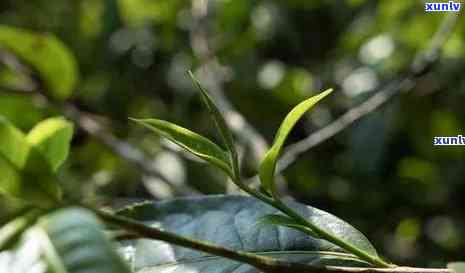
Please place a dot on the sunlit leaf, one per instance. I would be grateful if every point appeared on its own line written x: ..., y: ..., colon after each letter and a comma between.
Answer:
x: 13, y: 145
x: 220, y: 123
x: 268, y: 164
x: 52, y: 138
x: 26, y: 174
x: 49, y: 56
x: 285, y: 221
x: 458, y: 267
x: 192, y: 142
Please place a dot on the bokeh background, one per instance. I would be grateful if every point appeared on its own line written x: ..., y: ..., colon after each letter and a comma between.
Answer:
x: 259, y: 59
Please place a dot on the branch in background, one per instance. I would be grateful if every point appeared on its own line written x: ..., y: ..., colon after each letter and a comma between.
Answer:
x: 213, y: 76
x: 11, y: 62
x: 124, y: 149
x: 94, y: 128
x: 422, y: 63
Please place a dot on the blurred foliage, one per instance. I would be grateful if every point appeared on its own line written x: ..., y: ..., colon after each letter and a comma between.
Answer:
x: 124, y: 58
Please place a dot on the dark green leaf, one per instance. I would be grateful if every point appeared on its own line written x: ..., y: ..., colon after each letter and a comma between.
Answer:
x: 230, y: 221
x: 220, y: 123
x: 52, y: 138
x: 268, y: 164
x: 51, y: 58
x: 458, y: 267
x: 192, y: 142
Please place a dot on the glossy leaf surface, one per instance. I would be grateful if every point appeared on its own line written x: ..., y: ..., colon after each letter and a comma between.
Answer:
x: 231, y: 221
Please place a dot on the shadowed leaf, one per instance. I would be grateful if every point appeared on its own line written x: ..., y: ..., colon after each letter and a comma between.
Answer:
x: 48, y: 55
x: 230, y: 221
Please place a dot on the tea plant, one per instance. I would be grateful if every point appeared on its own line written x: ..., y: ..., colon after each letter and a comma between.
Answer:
x: 61, y: 235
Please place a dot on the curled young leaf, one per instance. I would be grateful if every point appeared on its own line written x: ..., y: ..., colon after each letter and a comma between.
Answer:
x: 268, y: 164
x: 190, y: 141
x: 220, y: 123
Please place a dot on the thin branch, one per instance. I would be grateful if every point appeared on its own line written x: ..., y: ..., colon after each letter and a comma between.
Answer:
x: 10, y: 61
x: 123, y: 149
x: 263, y: 263
x: 92, y: 127
x: 214, y: 77
x: 422, y: 63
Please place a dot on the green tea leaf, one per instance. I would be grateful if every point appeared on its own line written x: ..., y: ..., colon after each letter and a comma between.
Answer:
x: 285, y: 221
x: 69, y: 240
x: 13, y: 145
x: 26, y: 175
x: 268, y: 164
x: 74, y: 242
x: 220, y: 123
x: 52, y: 138
x: 48, y: 55
x: 190, y: 141
x: 457, y: 267
x: 230, y: 221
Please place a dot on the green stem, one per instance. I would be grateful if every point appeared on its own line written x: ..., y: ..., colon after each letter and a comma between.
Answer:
x: 262, y: 263
x: 331, y: 237
x: 279, y: 205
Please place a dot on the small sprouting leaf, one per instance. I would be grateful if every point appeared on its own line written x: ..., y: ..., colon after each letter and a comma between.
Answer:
x: 220, y: 123
x: 285, y: 221
x: 52, y: 138
x: 51, y: 58
x: 26, y: 174
x: 190, y: 141
x: 457, y: 267
x: 268, y: 164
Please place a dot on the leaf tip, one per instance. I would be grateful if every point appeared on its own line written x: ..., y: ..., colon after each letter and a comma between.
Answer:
x: 136, y: 120
x: 326, y: 92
